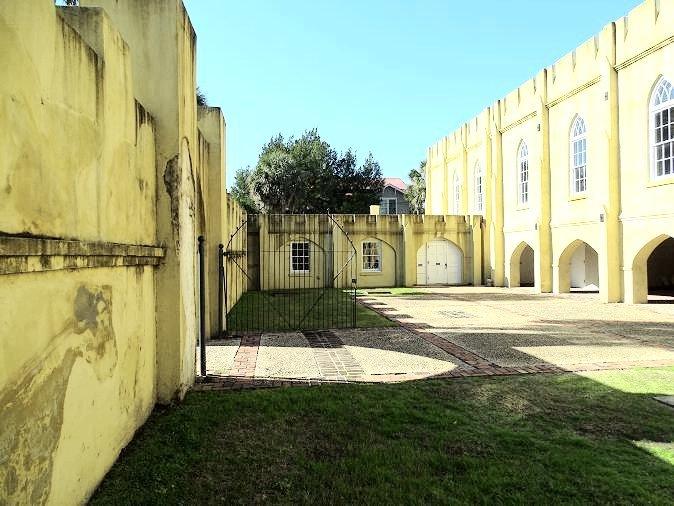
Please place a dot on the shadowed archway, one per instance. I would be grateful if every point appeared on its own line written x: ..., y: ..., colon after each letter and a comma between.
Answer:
x: 522, y: 270
x: 652, y: 277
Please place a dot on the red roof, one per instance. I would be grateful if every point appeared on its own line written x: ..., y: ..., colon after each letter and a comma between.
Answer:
x: 395, y: 182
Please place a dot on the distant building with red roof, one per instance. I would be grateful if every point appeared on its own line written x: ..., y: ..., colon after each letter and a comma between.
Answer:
x: 392, y: 200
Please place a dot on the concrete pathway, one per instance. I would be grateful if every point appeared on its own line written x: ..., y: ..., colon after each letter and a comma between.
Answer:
x: 453, y: 332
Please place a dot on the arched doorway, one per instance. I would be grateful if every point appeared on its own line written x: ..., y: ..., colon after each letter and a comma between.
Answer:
x: 579, y: 268
x: 660, y: 272
x: 653, y: 273
x: 522, y: 271
x: 439, y: 262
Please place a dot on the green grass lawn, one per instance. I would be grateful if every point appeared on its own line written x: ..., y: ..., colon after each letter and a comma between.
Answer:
x: 301, y: 310
x: 528, y: 439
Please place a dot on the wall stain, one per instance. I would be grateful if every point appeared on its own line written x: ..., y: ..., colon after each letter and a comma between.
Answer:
x: 172, y: 184
x: 31, y: 409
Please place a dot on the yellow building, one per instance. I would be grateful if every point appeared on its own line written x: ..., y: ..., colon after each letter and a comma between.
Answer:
x: 318, y: 251
x: 109, y: 172
x: 573, y: 172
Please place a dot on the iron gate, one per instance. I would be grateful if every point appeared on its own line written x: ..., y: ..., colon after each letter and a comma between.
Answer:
x: 289, y: 272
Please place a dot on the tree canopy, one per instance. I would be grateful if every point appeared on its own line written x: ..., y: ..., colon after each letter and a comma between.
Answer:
x: 416, y: 191
x: 306, y: 175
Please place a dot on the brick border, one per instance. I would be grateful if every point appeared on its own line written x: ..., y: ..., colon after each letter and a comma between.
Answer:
x: 246, y: 356
x: 333, y: 359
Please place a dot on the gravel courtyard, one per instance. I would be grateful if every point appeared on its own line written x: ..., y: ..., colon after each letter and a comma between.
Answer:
x: 448, y: 330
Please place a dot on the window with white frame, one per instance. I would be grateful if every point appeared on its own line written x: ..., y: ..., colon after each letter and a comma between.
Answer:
x: 578, y: 150
x: 372, y: 256
x: 479, y: 188
x: 523, y: 171
x: 389, y: 206
x: 300, y: 257
x: 457, y: 194
x: 662, y: 130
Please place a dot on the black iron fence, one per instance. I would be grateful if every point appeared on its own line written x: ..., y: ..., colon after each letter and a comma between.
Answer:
x: 289, y: 272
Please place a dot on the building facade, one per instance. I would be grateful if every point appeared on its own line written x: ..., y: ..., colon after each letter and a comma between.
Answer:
x: 393, y: 199
x: 319, y: 251
x: 573, y: 172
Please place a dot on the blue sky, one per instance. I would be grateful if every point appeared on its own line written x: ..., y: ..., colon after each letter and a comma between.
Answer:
x: 387, y: 77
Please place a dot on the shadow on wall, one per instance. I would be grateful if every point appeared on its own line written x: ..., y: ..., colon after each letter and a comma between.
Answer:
x: 660, y: 267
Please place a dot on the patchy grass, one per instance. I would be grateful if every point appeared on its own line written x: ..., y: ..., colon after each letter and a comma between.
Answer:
x: 597, y: 438
x: 301, y: 310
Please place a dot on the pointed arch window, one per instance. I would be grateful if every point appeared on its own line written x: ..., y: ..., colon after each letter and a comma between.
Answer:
x: 523, y: 171
x: 578, y: 152
x: 662, y: 130
x: 479, y: 188
x: 457, y: 194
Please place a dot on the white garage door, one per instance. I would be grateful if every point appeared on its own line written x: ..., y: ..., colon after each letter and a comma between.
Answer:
x: 439, y: 263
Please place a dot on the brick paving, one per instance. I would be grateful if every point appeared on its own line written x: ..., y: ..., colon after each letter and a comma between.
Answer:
x: 246, y: 357
x: 334, y: 360
x: 520, y: 333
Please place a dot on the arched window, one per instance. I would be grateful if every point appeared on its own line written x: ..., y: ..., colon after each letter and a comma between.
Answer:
x: 457, y: 194
x: 523, y: 169
x: 479, y: 188
x: 578, y: 152
x: 662, y: 130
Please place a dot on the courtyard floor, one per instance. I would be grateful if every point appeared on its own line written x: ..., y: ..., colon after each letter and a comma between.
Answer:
x: 454, y: 331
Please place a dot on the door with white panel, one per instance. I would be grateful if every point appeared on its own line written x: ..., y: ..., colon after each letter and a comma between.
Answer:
x: 439, y: 262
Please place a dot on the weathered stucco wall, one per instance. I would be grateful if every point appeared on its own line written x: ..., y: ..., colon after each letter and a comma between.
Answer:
x: 102, y: 202
x: 624, y: 214
x: 77, y: 348
x: 336, y: 248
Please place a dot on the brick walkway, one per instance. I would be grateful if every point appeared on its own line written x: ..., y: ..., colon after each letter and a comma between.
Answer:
x: 647, y: 341
x: 334, y: 360
x: 246, y: 357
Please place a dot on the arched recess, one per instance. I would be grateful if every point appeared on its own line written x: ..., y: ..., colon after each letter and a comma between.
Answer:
x: 579, y: 268
x: 653, y: 272
x: 439, y: 262
x: 522, y: 271
x: 387, y: 275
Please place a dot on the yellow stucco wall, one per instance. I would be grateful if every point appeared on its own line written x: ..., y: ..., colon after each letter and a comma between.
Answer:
x: 109, y: 172
x: 623, y: 215
x: 336, y: 244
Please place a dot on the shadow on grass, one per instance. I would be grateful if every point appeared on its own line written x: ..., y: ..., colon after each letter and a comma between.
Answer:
x: 546, y: 438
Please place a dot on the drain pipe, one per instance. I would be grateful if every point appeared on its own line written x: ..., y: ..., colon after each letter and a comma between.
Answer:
x: 202, y: 308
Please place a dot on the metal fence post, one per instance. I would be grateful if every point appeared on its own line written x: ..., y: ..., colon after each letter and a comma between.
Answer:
x: 221, y: 285
x: 355, y: 285
x: 202, y: 307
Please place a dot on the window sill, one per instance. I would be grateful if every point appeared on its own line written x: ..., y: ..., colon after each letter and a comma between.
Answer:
x: 300, y: 273
x: 578, y: 196
x: 660, y: 181
x: 370, y: 273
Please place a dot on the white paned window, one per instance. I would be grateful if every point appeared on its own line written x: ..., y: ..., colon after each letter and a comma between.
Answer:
x: 372, y: 256
x: 523, y: 171
x: 457, y: 194
x: 479, y: 188
x: 578, y: 151
x: 300, y: 253
x: 389, y: 206
x: 662, y: 130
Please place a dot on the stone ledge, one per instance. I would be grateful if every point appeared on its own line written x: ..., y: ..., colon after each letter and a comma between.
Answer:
x: 33, y: 254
